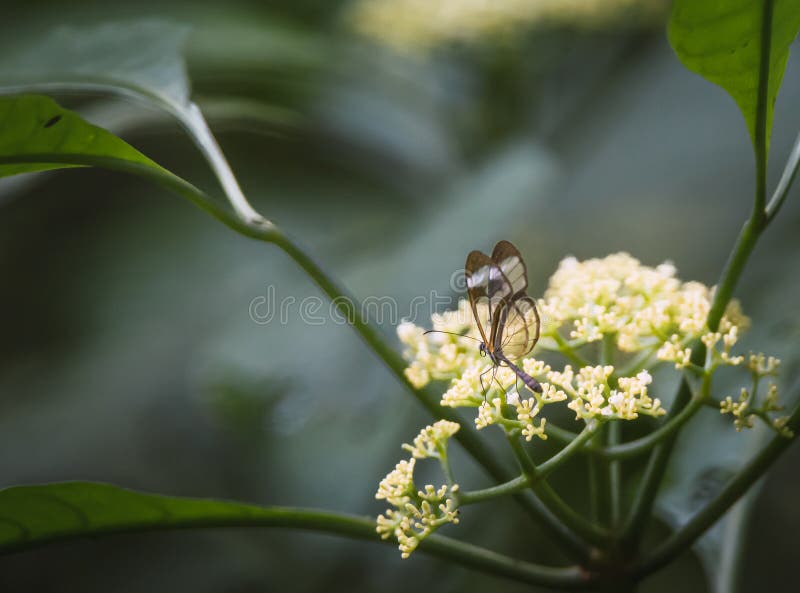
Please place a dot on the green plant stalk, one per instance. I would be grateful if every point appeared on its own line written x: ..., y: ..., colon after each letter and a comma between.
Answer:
x: 561, y: 435
x: 567, y: 516
x: 745, y: 243
x: 542, y: 471
x: 785, y: 183
x: 758, y: 220
x: 642, y: 507
x: 615, y: 476
x: 514, y: 486
x: 352, y: 526
x: 679, y: 541
x: 263, y: 230
x: 663, y: 432
x: 568, y: 351
x: 599, y: 484
x: 467, y: 436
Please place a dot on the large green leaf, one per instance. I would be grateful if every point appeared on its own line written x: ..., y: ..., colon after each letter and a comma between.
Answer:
x: 722, y: 41
x: 31, y: 516
x: 139, y: 59
x: 38, y: 134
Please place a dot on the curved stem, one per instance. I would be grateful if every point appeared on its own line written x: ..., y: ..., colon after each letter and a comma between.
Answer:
x: 645, y: 497
x: 477, y: 558
x: 569, y: 351
x: 571, y: 449
x: 518, y: 484
x: 562, y: 435
x: 636, y: 521
x: 581, y: 526
x: 646, y: 443
x: 758, y: 220
x: 521, y: 482
x: 615, y: 475
x: 719, y: 505
x: 263, y: 230
x: 468, y: 555
x: 785, y: 183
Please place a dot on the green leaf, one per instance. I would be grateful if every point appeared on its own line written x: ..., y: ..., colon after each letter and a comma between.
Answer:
x: 722, y: 41
x: 139, y: 59
x: 142, y: 57
x: 38, y: 134
x: 32, y: 516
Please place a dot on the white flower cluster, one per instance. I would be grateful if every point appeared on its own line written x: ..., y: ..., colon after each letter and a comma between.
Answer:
x: 417, y: 513
x: 639, y: 307
x: 746, y: 409
x: 592, y: 396
x: 432, y: 440
x: 630, y: 316
x: 437, y: 356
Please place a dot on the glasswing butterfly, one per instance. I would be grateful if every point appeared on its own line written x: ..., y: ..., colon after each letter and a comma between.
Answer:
x: 499, y: 283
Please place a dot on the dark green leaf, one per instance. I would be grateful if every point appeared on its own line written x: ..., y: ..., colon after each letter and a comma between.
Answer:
x: 38, y: 134
x: 31, y: 516
x: 141, y: 57
x: 722, y: 41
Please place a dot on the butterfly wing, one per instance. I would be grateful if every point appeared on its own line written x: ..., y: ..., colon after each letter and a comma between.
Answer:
x: 518, y: 319
x: 509, y: 260
x: 518, y: 327
x: 487, y: 287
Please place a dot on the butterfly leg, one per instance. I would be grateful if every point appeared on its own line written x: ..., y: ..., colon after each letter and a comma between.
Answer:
x: 483, y: 387
x: 496, y: 380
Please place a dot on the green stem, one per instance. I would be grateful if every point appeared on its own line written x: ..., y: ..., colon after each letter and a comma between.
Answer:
x: 444, y: 461
x: 761, y: 140
x: 745, y: 243
x: 640, y: 362
x: 562, y: 435
x: 542, y: 471
x: 651, y: 480
x: 568, y: 517
x: 468, y: 555
x: 262, y: 230
x: 758, y: 220
x: 571, y: 449
x: 599, y: 485
x: 615, y: 474
x: 663, y: 432
x: 681, y: 540
x: 569, y: 351
x: 645, y: 498
x: 467, y: 436
x: 477, y: 558
x: 518, y: 484
x: 785, y: 183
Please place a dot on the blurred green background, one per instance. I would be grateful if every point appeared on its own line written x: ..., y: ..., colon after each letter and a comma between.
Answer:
x: 389, y: 143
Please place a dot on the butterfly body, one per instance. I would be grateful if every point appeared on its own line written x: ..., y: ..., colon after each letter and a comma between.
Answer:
x: 499, y: 283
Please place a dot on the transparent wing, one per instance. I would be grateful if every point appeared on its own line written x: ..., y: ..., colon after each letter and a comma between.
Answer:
x: 509, y: 260
x: 487, y: 287
x: 518, y: 327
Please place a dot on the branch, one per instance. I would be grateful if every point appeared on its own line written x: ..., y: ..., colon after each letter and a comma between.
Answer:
x: 242, y: 515
x: 681, y: 540
x: 524, y: 481
x: 787, y: 178
x: 646, y: 443
x: 551, y: 500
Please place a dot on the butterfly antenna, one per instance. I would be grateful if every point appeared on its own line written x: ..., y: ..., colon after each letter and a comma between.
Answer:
x: 437, y: 331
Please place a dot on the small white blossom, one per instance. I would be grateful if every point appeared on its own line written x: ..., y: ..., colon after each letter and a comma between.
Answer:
x: 432, y: 440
